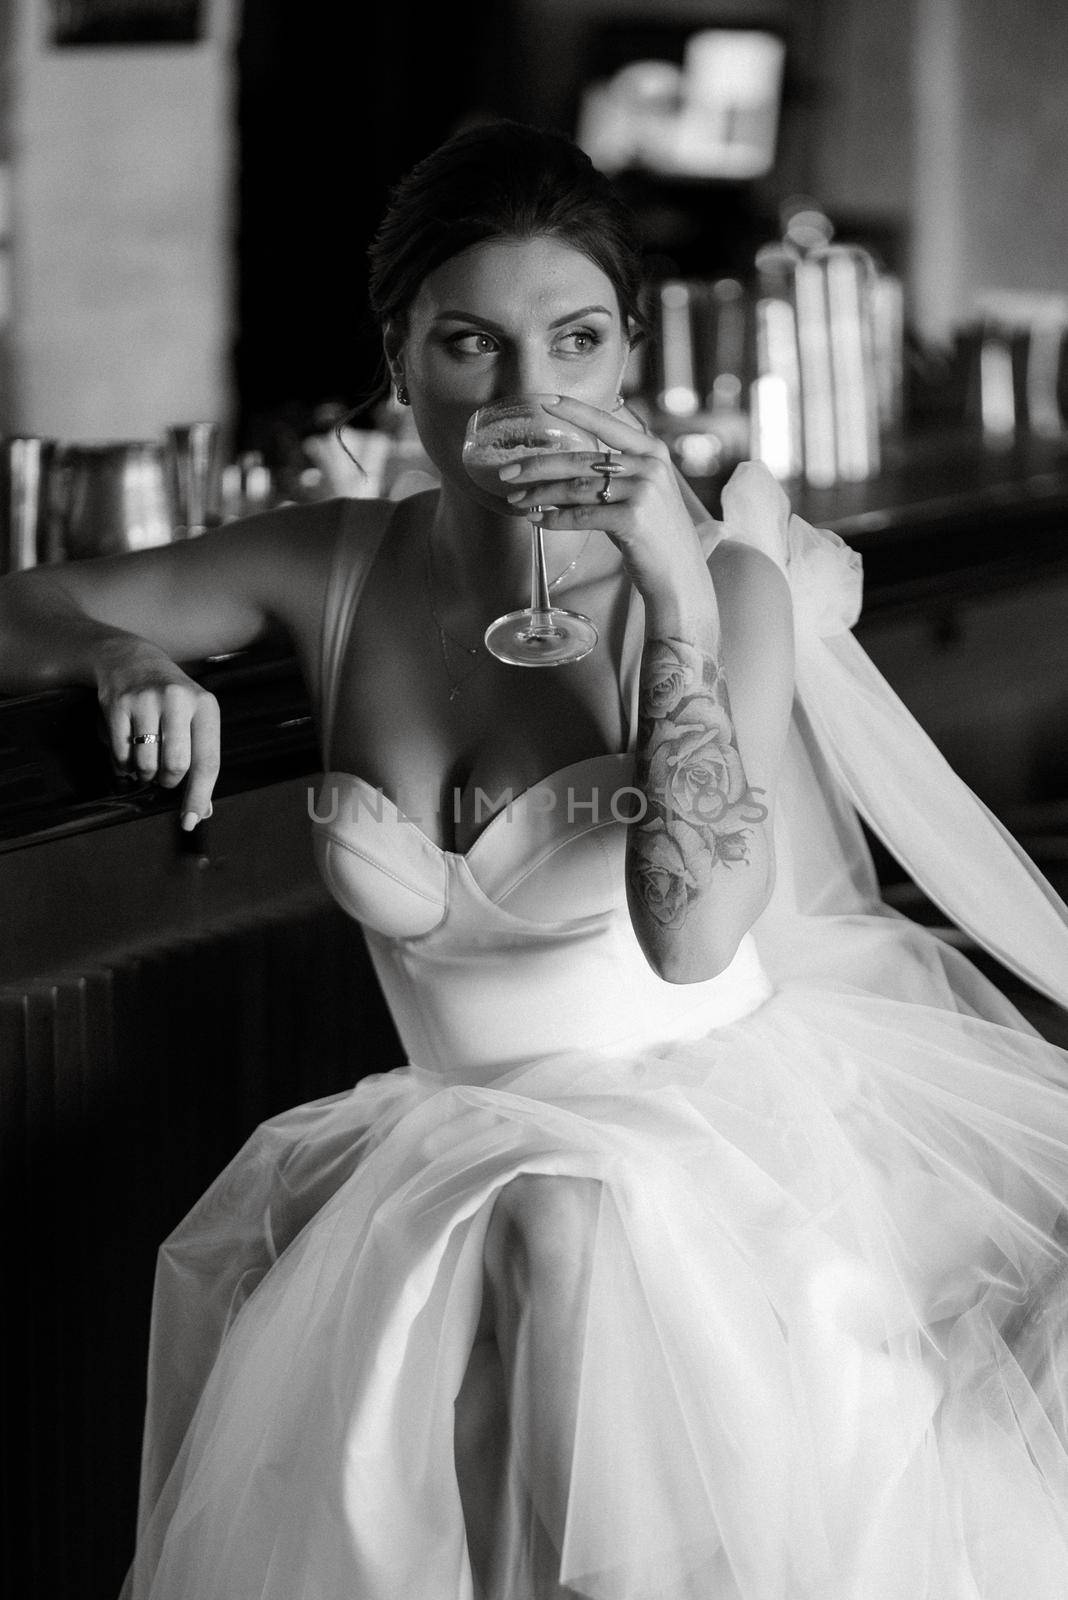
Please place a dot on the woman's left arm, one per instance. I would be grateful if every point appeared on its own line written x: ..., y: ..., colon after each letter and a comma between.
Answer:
x: 715, y: 693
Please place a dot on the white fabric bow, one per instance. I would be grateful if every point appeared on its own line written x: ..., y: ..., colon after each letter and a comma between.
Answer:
x: 825, y: 575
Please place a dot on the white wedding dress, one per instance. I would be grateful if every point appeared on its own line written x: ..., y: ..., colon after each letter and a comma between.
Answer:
x: 819, y: 1356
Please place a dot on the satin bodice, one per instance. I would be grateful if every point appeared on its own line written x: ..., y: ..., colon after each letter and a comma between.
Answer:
x: 522, y: 945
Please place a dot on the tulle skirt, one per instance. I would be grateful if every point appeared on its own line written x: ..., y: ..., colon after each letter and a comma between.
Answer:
x: 814, y: 1355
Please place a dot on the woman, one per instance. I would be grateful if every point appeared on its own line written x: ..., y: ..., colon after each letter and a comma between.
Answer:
x: 706, y: 1246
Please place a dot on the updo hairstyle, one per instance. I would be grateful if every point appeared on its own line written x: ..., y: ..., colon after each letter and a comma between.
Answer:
x: 501, y: 180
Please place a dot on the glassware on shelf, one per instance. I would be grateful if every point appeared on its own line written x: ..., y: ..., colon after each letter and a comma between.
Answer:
x: 26, y: 484
x: 246, y: 486
x: 192, y: 450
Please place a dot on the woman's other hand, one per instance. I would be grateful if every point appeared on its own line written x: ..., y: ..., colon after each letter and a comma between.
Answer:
x: 122, y: 623
x: 161, y: 724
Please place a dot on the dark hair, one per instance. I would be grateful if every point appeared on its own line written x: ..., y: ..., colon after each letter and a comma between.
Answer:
x: 501, y: 180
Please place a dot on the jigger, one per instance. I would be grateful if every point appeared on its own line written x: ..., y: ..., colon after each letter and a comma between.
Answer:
x: 193, y: 476
x: 25, y: 481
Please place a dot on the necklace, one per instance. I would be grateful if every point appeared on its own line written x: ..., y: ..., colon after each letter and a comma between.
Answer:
x: 446, y: 638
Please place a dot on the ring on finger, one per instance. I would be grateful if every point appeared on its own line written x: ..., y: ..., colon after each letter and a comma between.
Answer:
x: 145, y: 738
x: 607, y: 469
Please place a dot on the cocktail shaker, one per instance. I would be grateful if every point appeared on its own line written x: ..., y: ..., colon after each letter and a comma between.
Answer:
x: 113, y: 497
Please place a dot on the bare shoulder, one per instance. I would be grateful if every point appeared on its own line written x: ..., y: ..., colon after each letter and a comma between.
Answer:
x: 287, y: 554
x: 751, y: 588
x: 756, y: 616
x: 221, y: 592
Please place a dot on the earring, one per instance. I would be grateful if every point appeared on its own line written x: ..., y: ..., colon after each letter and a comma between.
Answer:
x: 403, y: 396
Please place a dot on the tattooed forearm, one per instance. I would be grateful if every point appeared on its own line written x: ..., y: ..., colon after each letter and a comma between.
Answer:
x: 700, y: 810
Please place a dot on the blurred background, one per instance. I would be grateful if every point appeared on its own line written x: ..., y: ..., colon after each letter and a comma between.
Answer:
x: 183, y: 222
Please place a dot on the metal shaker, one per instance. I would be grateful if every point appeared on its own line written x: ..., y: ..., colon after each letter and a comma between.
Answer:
x: 113, y: 498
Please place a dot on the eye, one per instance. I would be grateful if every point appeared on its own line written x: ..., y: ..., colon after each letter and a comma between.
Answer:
x: 473, y: 344
x: 580, y: 341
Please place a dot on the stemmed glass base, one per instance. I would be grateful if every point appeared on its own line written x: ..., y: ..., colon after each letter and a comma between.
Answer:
x: 542, y: 635
x: 541, y: 638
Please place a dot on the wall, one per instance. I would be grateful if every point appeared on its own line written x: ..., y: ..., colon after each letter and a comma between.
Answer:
x: 1015, y: 166
x: 861, y: 80
x: 990, y: 153
x: 122, y: 231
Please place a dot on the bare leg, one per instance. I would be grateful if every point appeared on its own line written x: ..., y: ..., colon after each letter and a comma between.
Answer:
x: 537, y: 1258
x: 481, y: 1449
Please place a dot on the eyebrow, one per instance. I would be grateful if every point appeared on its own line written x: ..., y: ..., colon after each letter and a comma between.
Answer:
x: 485, y: 322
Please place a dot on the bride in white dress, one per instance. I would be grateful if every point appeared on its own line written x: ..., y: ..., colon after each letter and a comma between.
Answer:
x: 709, y: 1247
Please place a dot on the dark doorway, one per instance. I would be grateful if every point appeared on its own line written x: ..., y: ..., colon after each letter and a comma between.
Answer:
x: 335, y: 103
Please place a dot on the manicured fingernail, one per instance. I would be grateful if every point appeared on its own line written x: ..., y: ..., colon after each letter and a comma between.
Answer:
x: 512, y: 470
x: 552, y: 399
x: 189, y: 820
x: 515, y: 496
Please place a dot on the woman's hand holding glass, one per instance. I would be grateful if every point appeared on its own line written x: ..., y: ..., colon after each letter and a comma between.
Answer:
x: 636, y: 502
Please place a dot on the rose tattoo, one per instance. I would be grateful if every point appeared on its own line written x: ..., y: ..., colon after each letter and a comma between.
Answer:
x: 700, y: 802
x: 660, y: 874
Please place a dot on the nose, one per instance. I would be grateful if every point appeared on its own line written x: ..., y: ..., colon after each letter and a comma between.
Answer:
x: 528, y: 369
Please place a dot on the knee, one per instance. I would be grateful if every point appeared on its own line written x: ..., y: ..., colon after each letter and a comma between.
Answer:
x: 543, y: 1227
